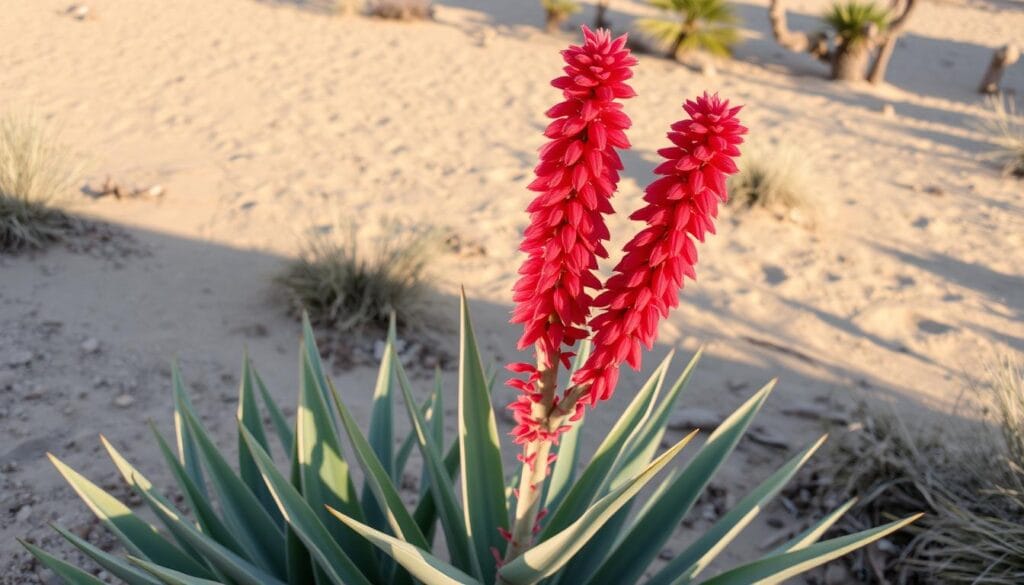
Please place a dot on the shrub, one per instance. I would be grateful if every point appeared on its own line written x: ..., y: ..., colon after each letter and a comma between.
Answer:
x: 776, y: 177
x: 968, y: 480
x: 1006, y: 129
x: 35, y: 174
x: 854, y: 20
x: 273, y: 525
x: 556, y: 12
x: 690, y: 25
x: 403, y: 9
x: 344, y: 289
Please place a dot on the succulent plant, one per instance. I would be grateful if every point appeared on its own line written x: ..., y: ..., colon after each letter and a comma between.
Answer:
x: 305, y: 521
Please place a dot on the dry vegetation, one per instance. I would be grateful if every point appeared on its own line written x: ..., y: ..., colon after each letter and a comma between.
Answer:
x: 1006, y: 130
x: 772, y: 177
x: 402, y: 9
x: 968, y: 477
x: 345, y: 288
x: 35, y: 174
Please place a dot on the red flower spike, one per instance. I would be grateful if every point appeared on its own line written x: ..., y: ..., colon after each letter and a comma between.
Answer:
x: 577, y: 173
x: 576, y: 176
x: 681, y: 206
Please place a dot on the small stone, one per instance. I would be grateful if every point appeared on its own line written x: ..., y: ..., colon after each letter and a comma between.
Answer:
x: 124, y: 400
x: 666, y: 554
x: 91, y: 345
x: 19, y: 358
x: 763, y: 437
x: 695, y: 418
x: 838, y: 574
x: 7, y: 378
x: 23, y: 514
x: 888, y: 111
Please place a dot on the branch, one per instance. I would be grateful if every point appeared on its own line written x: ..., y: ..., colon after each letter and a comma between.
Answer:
x: 816, y: 44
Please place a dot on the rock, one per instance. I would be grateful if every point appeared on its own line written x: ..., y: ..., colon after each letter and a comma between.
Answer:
x: 124, y: 400
x: 763, y: 437
x: 18, y: 358
x: 816, y: 412
x: 695, y: 418
x: 838, y: 574
x: 7, y: 379
x: 23, y: 514
x: 90, y: 345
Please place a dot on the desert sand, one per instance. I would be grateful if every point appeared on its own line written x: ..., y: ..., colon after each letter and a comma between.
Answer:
x: 261, y: 120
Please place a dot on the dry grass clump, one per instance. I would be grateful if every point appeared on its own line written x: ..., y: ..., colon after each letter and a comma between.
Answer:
x: 346, y: 289
x: 1006, y: 130
x: 774, y: 177
x: 35, y: 173
x: 969, y: 481
x: 402, y: 9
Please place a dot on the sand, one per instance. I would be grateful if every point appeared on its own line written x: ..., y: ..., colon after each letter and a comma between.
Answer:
x: 263, y: 119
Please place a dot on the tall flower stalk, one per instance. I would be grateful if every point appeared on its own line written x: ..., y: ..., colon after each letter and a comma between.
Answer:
x: 577, y: 174
x: 565, y: 238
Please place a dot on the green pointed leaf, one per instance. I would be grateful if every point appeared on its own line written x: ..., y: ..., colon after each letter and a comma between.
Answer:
x: 243, y: 514
x: 170, y: 576
x: 435, y: 422
x: 382, y: 428
x: 422, y: 565
x: 187, y: 454
x: 650, y: 531
x: 408, y: 444
x: 596, y: 474
x: 696, y: 558
x: 563, y: 473
x: 249, y: 416
x: 330, y: 557
x: 312, y: 352
x: 222, y: 559
x: 137, y: 536
x: 277, y: 419
x: 323, y: 470
x: 378, y: 478
x: 817, y: 530
x: 209, y: 522
x: 140, y: 484
x: 68, y: 572
x: 459, y: 547
x: 549, y: 556
x: 483, y: 482
x: 778, y: 568
x: 116, y: 566
x: 426, y: 512
x: 300, y: 563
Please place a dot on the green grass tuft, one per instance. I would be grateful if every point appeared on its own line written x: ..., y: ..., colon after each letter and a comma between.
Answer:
x: 852, y: 19
x: 692, y: 25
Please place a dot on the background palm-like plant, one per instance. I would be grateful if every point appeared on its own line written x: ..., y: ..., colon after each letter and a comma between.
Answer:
x: 688, y: 25
x: 556, y: 12
x: 855, y: 21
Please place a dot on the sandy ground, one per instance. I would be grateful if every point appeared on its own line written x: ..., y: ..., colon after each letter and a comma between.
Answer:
x: 262, y: 119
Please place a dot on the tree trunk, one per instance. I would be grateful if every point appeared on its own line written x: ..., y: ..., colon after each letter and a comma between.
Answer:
x: 877, y: 73
x: 850, y: 61
x: 673, y: 52
x: 600, y: 19
x: 1001, y: 59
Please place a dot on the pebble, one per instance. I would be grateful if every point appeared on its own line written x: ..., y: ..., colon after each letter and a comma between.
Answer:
x: 19, y: 358
x: 7, y: 378
x: 763, y: 437
x: 695, y: 418
x: 91, y: 345
x: 23, y: 514
x: 124, y: 400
